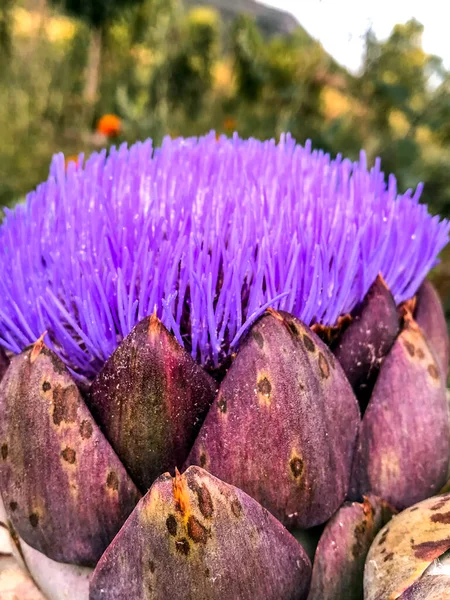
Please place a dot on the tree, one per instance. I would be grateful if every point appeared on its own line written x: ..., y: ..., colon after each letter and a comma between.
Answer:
x: 5, y: 31
x: 97, y: 14
x: 249, y: 58
x: 184, y: 78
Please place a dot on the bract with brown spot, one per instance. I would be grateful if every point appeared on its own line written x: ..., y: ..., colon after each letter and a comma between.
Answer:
x: 404, y: 549
x: 403, y: 446
x: 284, y: 424
x: 64, y: 489
x: 338, y: 567
x: 194, y: 536
x: 150, y: 400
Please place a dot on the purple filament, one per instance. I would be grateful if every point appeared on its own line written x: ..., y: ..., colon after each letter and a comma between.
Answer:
x: 209, y: 233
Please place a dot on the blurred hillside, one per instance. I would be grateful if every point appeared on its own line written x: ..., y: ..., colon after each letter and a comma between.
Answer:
x: 269, y: 20
x: 167, y: 66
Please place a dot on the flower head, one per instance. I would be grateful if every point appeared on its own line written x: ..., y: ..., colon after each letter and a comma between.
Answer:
x: 208, y: 234
x: 109, y: 125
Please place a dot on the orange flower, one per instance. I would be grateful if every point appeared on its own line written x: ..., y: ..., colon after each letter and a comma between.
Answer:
x: 109, y: 125
x: 230, y: 124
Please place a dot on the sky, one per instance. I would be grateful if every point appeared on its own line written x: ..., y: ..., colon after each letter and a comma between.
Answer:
x: 340, y: 25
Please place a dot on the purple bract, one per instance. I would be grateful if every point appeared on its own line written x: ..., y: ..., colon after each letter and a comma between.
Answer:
x: 207, y: 233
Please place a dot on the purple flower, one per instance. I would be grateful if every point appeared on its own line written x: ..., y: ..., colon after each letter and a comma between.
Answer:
x: 208, y: 234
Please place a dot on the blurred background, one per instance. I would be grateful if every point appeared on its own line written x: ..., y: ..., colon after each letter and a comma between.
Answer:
x: 76, y: 75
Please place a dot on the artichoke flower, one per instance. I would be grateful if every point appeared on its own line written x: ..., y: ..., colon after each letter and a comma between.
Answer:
x: 211, y: 353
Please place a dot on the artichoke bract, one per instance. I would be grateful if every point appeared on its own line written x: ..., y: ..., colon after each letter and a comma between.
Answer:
x: 398, y: 562
x: 194, y: 536
x: 70, y: 508
x: 430, y: 318
x: 283, y: 385
x: 405, y: 468
x: 150, y: 400
x: 363, y: 345
x: 254, y: 315
x: 343, y: 547
x: 4, y: 362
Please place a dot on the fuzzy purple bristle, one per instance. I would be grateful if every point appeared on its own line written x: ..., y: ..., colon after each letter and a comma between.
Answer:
x: 209, y: 233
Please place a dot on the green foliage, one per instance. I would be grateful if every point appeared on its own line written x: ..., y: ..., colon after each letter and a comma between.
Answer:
x: 249, y: 57
x: 279, y: 84
x: 95, y: 12
x: 5, y: 32
x: 162, y: 69
x: 189, y: 69
x: 36, y: 105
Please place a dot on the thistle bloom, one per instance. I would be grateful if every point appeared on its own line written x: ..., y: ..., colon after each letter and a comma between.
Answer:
x: 254, y: 313
x: 208, y: 234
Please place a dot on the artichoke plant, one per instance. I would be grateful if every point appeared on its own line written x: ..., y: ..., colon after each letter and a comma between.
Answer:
x: 222, y: 373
